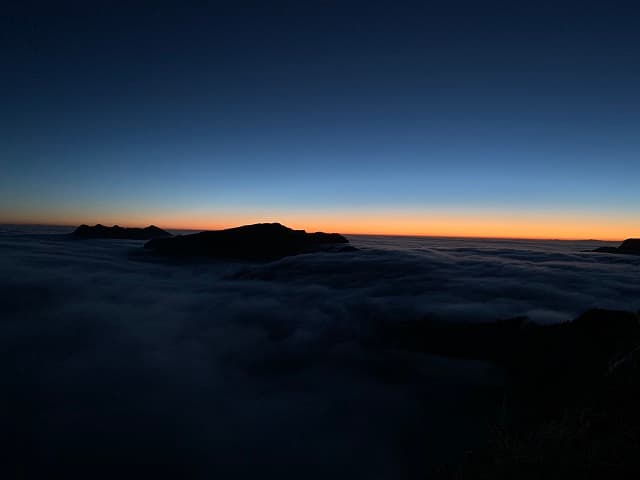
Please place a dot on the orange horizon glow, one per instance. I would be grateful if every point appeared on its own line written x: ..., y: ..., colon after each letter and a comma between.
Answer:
x: 530, y: 225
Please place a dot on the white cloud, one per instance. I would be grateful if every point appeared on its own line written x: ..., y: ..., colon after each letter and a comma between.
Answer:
x: 242, y: 368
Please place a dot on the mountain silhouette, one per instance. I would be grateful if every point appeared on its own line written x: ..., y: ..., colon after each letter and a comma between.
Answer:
x: 631, y: 246
x: 261, y: 241
x: 100, y: 231
x: 570, y: 394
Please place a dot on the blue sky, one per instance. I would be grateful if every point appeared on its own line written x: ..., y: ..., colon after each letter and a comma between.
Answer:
x: 342, y: 106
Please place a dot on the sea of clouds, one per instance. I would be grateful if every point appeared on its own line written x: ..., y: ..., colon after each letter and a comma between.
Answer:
x: 112, y: 358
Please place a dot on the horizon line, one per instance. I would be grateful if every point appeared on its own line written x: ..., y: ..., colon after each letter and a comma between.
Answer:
x: 415, y: 235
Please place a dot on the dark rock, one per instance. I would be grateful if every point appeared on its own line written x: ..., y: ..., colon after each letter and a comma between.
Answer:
x: 547, y: 367
x: 570, y: 396
x: 590, y: 342
x: 262, y: 241
x: 630, y: 246
x: 100, y: 231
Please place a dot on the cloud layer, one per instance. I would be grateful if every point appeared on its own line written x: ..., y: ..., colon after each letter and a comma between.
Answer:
x: 111, y: 357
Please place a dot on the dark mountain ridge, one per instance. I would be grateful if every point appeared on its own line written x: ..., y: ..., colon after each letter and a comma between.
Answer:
x: 631, y: 246
x: 261, y: 241
x: 118, y: 232
x: 570, y: 398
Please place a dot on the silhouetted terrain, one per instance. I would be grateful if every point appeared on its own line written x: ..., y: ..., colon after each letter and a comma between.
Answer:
x: 262, y: 241
x: 630, y: 246
x: 571, y: 397
x: 100, y: 231
x: 592, y: 340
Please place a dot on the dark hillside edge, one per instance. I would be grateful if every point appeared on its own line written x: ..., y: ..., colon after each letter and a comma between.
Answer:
x: 117, y: 232
x: 571, y: 396
x: 630, y: 246
x: 261, y: 241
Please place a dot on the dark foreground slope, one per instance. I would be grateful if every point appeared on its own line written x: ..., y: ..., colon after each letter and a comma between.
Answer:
x: 630, y: 246
x: 571, y: 405
x: 117, y: 232
x: 262, y: 241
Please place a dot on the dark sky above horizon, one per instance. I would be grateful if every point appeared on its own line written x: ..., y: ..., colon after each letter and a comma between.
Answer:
x: 496, y: 118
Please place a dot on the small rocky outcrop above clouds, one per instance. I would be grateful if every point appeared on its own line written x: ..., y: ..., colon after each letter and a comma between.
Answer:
x: 261, y: 241
x: 101, y: 231
x: 630, y: 246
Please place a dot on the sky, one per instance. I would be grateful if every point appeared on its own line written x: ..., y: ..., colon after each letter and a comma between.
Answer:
x: 504, y: 119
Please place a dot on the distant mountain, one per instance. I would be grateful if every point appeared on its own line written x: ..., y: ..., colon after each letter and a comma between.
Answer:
x: 100, y: 231
x: 630, y: 246
x: 261, y: 241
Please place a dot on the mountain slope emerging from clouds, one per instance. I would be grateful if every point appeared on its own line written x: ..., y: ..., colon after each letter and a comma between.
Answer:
x: 261, y: 241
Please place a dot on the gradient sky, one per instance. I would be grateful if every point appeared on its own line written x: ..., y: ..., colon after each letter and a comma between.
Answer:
x: 517, y: 119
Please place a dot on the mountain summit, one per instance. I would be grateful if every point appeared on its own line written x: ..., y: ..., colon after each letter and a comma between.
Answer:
x: 100, y: 231
x: 261, y: 241
x: 631, y: 246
